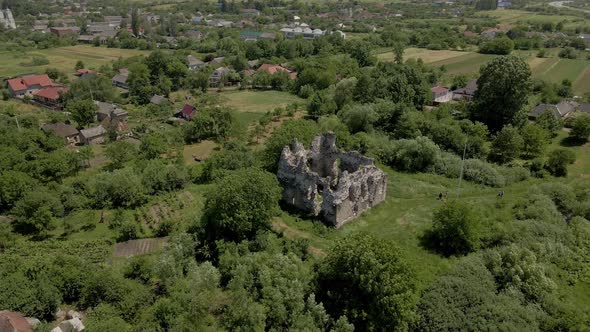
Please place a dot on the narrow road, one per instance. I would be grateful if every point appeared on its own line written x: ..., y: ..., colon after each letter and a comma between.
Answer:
x: 561, y: 4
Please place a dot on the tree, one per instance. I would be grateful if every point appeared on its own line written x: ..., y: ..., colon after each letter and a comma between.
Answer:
x: 79, y: 65
x: 367, y: 280
x: 459, y: 81
x: 535, y: 140
x: 580, y: 128
x: 558, y: 161
x: 135, y: 23
x: 507, y: 145
x: 120, y: 152
x: 320, y: 104
x: 455, y: 229
x: 13, y: 186
x: 502, y: 46
x: 302, y: 130
x: 36, y: 211
x: 241, y: 204
x: 550, y: 122
x: 503, y: 89
x: 83, y: 111
x: 234, y: 156
x: 410, y: 155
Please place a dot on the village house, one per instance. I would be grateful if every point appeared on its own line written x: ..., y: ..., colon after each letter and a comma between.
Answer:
x: 272, y: 69
x: 120, y: 80
x: 26, y: 85
x: 187, y: 112
x: 218, y: 75
x: 467, y: 92
x: 585, y: 38
x: 50, y: 97
x: 491, y: 33
x: 64, y: 31
x: 159, y: 100
x: 93, y: 135
x: 194, y: 34
x: 216, y: 61
x: 561, y: 110
x: 110, y: 111
x: 249, y: 35
x: 307, y: 33
x: 194, y: 63
x: 251, y: 12
x: 68, y: 132
x: 119, y: 126
x: 441, y: 95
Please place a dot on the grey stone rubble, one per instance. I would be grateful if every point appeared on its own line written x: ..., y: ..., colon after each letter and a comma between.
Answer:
x: 71, y: 325
x: 328, y: 183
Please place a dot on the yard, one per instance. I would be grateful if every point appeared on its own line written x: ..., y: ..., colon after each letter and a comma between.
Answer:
x: 62, y: 58
x: 252, y: 104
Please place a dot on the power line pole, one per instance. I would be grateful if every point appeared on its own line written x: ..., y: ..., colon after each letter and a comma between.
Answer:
x: 462, y: 166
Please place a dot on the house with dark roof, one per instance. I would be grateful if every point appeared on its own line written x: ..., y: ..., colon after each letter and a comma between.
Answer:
x: 23, y: 85
x: 467, y: 92
x: 584, y: 108
x: 64, y: 31
x: 560, y: 110
x: 50, y: 97
x: 187, y: 112
x: 159, y: 100
x: 194, y: 34
x: 194, y: 63
x: 110, y: 111
x: 120, y: 80
x: 93, y: 135
x: 69, y: 133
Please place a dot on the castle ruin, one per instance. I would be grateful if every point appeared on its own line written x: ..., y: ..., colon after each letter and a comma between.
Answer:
x: 325, y: 182
x: 6, y: 19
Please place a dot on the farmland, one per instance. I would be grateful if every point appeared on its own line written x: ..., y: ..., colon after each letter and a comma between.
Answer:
x: 552, y: 69
x: 63, y: 58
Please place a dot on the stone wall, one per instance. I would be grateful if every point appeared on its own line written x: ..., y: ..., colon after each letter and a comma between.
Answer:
x: 325, y: 182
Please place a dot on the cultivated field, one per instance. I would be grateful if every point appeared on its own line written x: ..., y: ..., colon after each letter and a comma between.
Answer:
x: 552, y: 69
x: 62, y: 58
x: 139, y: 247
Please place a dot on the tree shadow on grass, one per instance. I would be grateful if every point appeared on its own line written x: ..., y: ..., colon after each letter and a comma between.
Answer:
x: 571, y: 142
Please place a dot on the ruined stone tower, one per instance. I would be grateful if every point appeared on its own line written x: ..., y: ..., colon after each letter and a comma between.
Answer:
x: 325, y: 182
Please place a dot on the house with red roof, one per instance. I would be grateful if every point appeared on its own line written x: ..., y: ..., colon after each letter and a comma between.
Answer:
x: 272, y: 69
x: 21, y: 86
x: 50, y: 97
x: 441, y: 95
x: 187, y: 112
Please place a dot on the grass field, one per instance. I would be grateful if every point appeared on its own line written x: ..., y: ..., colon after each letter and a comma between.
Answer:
x: 552, y: 69
x: 251, y: 105
x: 512, y: 16
x: 62, y: 58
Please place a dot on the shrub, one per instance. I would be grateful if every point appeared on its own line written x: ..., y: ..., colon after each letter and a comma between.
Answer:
x: 411, y: 155
x: 479, y: 171
x: 455, y: 230
x: 558, y: 161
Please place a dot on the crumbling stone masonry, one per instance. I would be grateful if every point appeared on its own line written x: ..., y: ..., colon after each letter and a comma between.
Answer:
x: 323, y: 181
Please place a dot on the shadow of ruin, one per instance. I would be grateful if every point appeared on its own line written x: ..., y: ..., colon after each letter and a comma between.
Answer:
x: 328, y: 183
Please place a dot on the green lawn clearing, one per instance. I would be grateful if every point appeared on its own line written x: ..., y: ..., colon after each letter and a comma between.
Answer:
x: 62, y: 58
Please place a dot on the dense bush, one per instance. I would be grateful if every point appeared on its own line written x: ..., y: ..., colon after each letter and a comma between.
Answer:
x: 410, y: 155
x: 455, y: 230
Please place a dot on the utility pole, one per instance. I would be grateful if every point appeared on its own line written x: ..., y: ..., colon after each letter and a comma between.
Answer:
x: 462, y: 166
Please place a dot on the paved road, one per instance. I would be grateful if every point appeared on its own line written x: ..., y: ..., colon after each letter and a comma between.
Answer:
x: 561, y: 4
